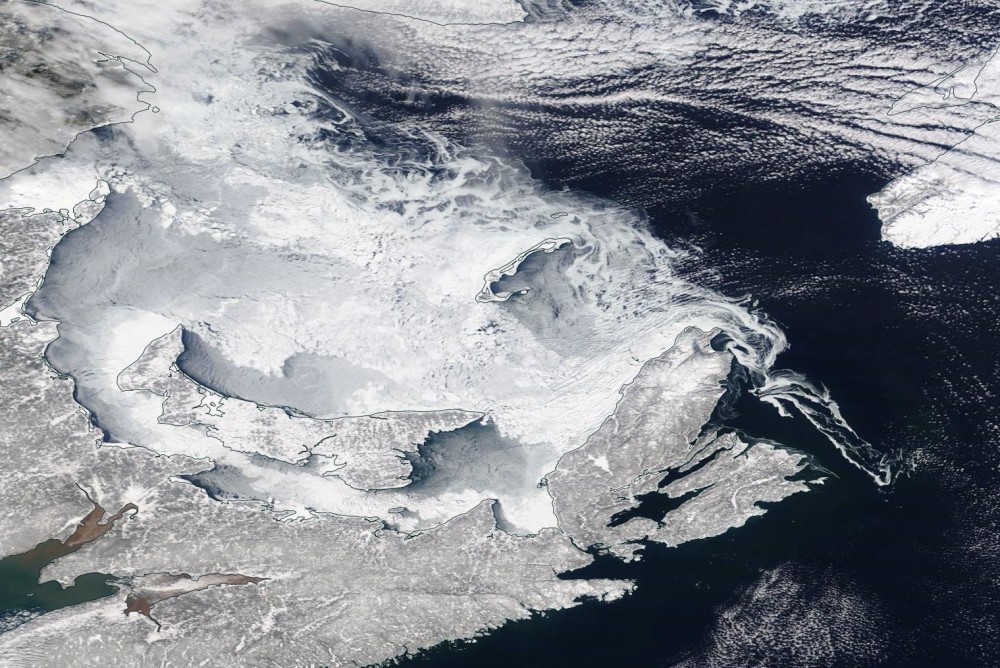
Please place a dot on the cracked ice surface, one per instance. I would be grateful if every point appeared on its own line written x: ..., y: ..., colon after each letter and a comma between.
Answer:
x: 364, y: 451
x: 336, y: 281
x: 345, y: 571
x: 278, y: 308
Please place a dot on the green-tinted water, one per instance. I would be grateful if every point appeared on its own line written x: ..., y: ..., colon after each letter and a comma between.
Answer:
x: 21, y: 592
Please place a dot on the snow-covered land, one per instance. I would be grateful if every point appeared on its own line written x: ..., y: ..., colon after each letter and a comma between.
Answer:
x: 373, y: 388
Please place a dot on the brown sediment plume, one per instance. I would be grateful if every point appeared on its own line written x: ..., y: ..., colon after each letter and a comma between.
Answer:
x: 148, y: 590
x: 91, y: 528
x: 88, y: 530
x: 140, y: 604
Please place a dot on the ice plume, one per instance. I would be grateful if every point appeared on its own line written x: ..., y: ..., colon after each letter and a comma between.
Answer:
x: 756, y: 345
x: 330, y: 263
x: 786, y: 389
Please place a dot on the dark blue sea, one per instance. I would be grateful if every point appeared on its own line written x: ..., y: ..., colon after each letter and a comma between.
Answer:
x: 905, y: 575
x: 849, y: 574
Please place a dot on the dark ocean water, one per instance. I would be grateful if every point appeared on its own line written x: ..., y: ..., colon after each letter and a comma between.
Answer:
x: 22, y: 595
x: 848, y: 574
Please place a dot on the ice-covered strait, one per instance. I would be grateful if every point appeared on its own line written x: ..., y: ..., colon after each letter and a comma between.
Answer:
x: 545, y: 367
x: 334, y: 265
x: 339, y: 276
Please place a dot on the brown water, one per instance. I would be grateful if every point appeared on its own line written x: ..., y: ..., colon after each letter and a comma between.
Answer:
x: 23, y: 596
